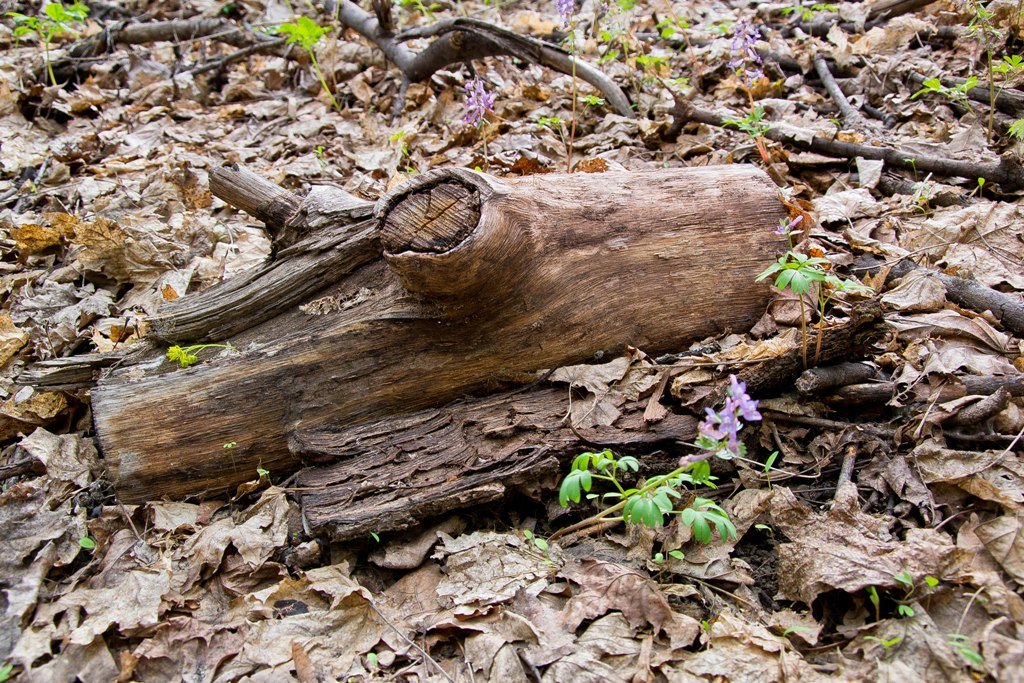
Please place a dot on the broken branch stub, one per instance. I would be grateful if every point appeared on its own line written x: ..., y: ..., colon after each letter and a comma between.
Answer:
x: 482, y: 283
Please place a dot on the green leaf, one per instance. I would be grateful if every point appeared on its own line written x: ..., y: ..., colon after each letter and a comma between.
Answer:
x: 86, y: 543
x: 572, y: 485
x: 643, y: 510
x: 676, y: 554
x: 1016, y: 129
x: 906, y: 578
x: 905, y: 611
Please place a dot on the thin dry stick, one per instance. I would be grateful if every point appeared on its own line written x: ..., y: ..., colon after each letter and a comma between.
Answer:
x: 426, y: 657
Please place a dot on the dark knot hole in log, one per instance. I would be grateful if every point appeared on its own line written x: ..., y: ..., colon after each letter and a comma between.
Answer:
x: 434, y: 220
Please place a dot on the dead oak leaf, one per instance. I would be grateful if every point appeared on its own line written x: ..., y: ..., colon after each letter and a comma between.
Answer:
x: 1004, y: 539
x: 847, y: 549
x: 605, y: 587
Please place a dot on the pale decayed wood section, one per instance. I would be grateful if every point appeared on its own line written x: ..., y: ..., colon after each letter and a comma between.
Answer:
x: 555, y: 269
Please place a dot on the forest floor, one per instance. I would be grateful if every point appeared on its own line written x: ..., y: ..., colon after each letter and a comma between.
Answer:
x: 879, y: 513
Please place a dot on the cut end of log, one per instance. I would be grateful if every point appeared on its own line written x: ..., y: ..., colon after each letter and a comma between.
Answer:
x: 434, y: 220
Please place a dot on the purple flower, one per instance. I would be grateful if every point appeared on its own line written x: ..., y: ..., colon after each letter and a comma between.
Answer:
x: 742, y: 402
x: 788, y: 228
x: 745, y: 57
x: 565, y: 10
x: 725, y: 426
x: 478, y: 102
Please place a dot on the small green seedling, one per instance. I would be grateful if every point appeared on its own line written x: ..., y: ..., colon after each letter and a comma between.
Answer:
x: 537, y: 541
x: 887, y: 644
x: 419, y: 6
x: 753, y: 124
x: 230, y: 444
x: 5, y: 672
x: 372, y: 660
x: 55, y: 19
x: 86, y: 543
x: 659, y: 558
x: 375, y: 536
x: 808, y: 12
x: 185, y: 356
x: 962, y: 645
x: 875, y: 601
x: 306, y: 33
x: 591, y: 100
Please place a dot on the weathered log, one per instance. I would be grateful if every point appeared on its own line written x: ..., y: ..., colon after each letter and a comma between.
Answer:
x: 482, y: 283
x: 394, y: 473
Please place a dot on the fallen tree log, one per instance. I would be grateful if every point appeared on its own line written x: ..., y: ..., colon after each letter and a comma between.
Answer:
x: 461, y: 284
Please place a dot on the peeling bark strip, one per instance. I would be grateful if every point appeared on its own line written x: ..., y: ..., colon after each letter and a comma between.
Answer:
x: 482, y: 283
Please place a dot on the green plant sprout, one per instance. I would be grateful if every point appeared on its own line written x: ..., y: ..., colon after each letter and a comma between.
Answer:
x: 659, y: 558
x: 5, y: 672
x: 230, y: 444
x: 961, y: 644
x: 669, y: 27
x: 753, y: 124
x: 767, y: 529
x: 306, y: 33
x: 799, y: 273
x: 808, y: 12
x: 375, y: 536
x: 185, y: 356
x: 419, y: 6
x: 86, y: 543
x: 557, y: 125
x: 906, y: 579
x: 55, y: 19
x: 957, y: 93
x: 537, y: 541
x: 769, y: 461
x: 876, y: 601
x: 650, y: 502
x: 887, y: 644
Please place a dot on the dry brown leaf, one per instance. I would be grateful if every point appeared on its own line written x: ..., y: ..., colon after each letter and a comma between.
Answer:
x: 846, y: 549
x: 1004, y: 539
x: 990, y: 475
x: 950, y: 324
x: 68, y: 457
x: 484, y: 568
x: 605, y: 587
x: 918, y: 290
x: 12, y: 338
x: 32, y: 238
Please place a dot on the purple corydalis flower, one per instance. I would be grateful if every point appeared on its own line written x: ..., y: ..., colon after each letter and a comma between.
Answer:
x: 725, y: 425
x: 566, y: 8
x: 787, y: 228
x: 745, y: 57
x: 746, y: 406
x: 478, y: 102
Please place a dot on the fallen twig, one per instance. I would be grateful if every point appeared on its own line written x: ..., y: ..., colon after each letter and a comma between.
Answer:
x: 1007, y: 171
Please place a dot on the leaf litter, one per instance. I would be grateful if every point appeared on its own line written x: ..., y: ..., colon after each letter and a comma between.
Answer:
x: 910, y: 568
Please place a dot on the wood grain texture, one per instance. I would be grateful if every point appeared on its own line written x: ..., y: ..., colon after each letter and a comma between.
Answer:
x: 396, y: 472
x: 557, y: 269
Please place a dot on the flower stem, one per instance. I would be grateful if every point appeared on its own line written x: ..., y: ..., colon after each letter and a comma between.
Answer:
x: 323, y: 81
x: 572, y: 126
